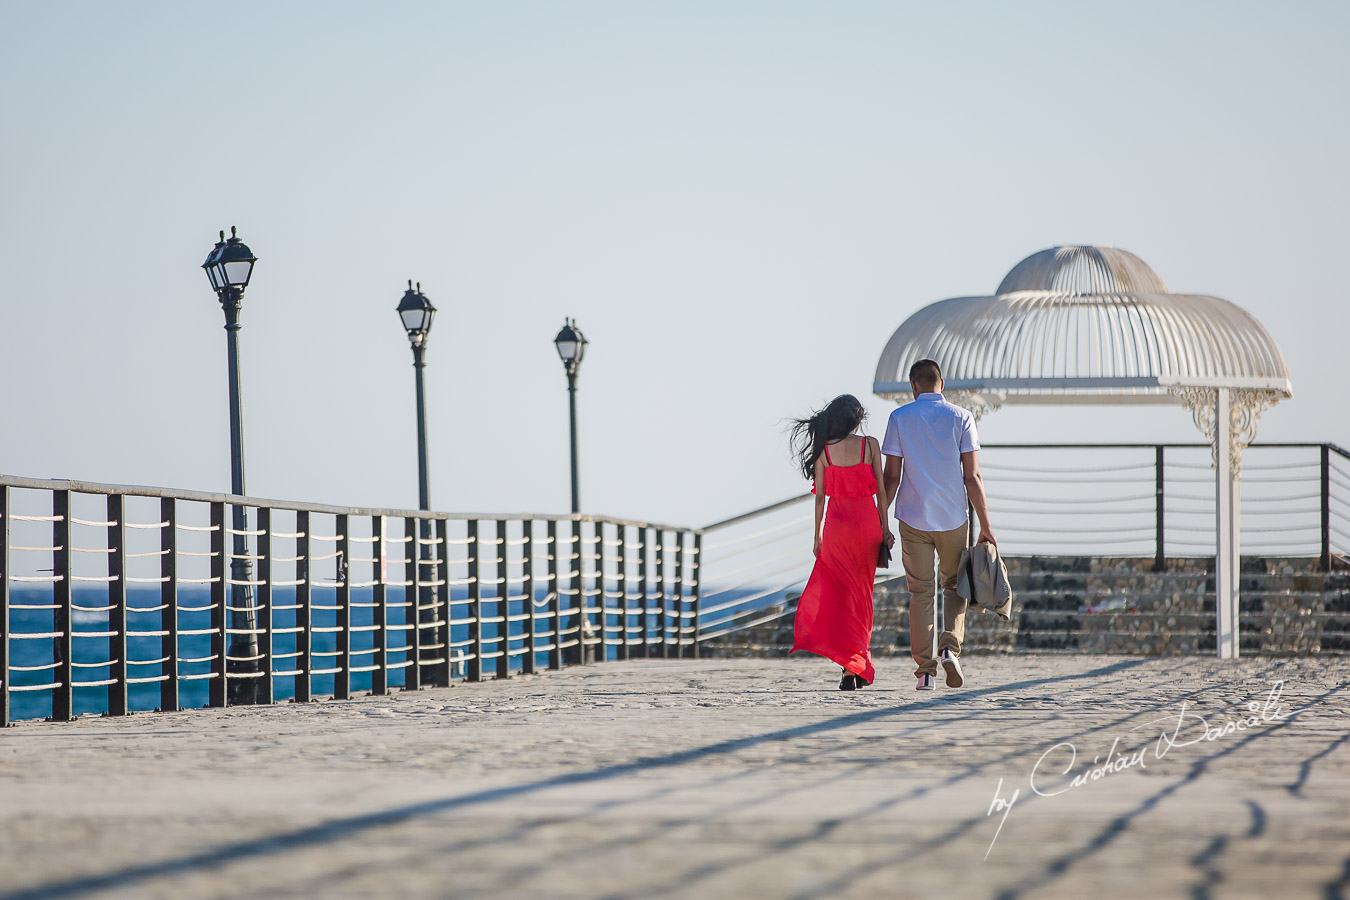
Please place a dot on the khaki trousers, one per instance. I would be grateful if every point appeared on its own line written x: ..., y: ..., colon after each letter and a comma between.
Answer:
x: 916, y: 553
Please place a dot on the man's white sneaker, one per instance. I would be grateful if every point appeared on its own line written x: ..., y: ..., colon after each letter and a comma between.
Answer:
x: 925, y: 683
x: 953, y: 667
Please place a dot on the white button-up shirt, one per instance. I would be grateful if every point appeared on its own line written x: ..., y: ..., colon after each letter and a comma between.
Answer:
x: 930, y: 434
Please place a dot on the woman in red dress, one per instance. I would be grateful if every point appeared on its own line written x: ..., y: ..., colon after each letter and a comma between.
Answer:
x: 834, y: 614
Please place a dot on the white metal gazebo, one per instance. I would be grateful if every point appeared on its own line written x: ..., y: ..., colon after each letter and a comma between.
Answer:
x: 1096, y: 325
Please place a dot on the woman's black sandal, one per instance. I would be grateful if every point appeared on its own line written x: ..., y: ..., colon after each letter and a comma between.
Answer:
x: 851, y: 682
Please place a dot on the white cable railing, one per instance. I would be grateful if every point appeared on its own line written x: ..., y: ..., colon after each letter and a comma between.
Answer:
x: 1145, y: 501
x: 144, y: 601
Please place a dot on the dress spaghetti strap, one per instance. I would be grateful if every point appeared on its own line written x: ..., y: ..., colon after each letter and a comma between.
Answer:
x: 827, y: 455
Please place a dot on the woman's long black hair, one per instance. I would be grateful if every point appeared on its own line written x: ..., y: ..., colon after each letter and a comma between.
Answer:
x: 809, y: 436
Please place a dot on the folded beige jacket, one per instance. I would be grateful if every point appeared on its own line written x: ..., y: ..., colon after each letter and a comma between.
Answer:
x: 991, y: 589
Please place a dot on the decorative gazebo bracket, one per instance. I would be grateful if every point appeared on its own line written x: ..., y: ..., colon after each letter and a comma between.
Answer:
x: 979, y: 403
x: 1227, y: 418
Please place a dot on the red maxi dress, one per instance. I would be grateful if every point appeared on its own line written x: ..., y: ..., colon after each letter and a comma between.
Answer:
x: 834, y: 614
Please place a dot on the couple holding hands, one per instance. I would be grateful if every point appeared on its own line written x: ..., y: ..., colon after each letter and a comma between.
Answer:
x: 931, y: 474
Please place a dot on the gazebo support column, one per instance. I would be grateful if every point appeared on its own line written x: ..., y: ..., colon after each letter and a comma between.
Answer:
x: 1227, y: 530
x: 1227, y: 418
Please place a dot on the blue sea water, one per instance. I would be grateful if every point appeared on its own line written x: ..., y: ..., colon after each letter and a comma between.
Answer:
x: 142, y: 616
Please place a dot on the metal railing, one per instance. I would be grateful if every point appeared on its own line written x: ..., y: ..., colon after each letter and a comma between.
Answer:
x: 1145, y: 501
x: 118, y: 598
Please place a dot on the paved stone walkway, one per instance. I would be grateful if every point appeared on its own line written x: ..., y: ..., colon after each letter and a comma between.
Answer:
x: 710, y: 778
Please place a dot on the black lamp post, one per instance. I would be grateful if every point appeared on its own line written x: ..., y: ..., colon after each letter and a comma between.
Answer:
x: 571, y: 344
x: 229, y: 267
x: 416, y: 312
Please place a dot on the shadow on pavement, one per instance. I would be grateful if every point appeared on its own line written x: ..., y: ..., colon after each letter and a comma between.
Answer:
x: 339, y: 829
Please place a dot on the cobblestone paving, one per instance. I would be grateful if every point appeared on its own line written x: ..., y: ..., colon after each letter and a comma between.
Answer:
x: 710, y: 778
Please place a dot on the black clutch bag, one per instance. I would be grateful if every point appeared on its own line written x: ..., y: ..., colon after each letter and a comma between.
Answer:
x: 883, y: 556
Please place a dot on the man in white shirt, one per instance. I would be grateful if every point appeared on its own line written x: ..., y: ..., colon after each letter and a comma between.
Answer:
x: 930, y: 449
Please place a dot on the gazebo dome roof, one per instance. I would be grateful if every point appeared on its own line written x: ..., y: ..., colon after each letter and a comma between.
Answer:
x: 1083, y: 271
x: 1083, y: 324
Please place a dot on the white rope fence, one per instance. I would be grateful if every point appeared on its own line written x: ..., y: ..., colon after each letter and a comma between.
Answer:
x: 1046, y: 501
x: 173, y: 601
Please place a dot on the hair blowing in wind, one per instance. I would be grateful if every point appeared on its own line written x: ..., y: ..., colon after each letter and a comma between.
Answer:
x: 837, y: 419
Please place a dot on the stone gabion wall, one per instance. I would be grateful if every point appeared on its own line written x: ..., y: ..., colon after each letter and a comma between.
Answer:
x: 1117, y: 605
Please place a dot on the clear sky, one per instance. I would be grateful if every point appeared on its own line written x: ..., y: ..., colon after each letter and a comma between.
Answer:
x: 737, y: 201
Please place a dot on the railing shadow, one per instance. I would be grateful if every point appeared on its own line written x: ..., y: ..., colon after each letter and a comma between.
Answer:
x: 920, y: 847
x: 635, y: 840
x: 338, y: 829
x: 1121, y: 823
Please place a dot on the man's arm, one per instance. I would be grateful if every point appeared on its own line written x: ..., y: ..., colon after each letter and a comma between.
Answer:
x: 890, y: 478
x: 970, y: 467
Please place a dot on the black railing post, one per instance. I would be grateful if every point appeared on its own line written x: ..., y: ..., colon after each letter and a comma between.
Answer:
x: 573, y: 562
x: 473, y: 670
x: 582, y: 622
x: 63, y: 695
x: 643, y: 648
x: 441, y: 591
x: 503, y: 606
x: 697, y: 574
x: 554, y: 595
x: 243, y: 614
x: 1326, y: 507
x: 216, y: 690
x: 677, y: 591
x: 264, y: 692
x: 4, y: 605
x: 426, y: 603
x: 304, y: 614
x: 168, y: 598
x: 621, y: 583
x: 1159, y: 502
x: 379, y: 677
x: 601, y: 598
x: 527, y: 591
x: 342, y: 681
x: 117, y: 599
x: 412, y: 672
x: 582, y: 618
x: 661, y: 588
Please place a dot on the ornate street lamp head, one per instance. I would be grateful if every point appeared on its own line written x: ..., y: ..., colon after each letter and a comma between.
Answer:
x: 571, y: 344
x: 229, y: 264
x: 210, y: 264
x: 416, y: 312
